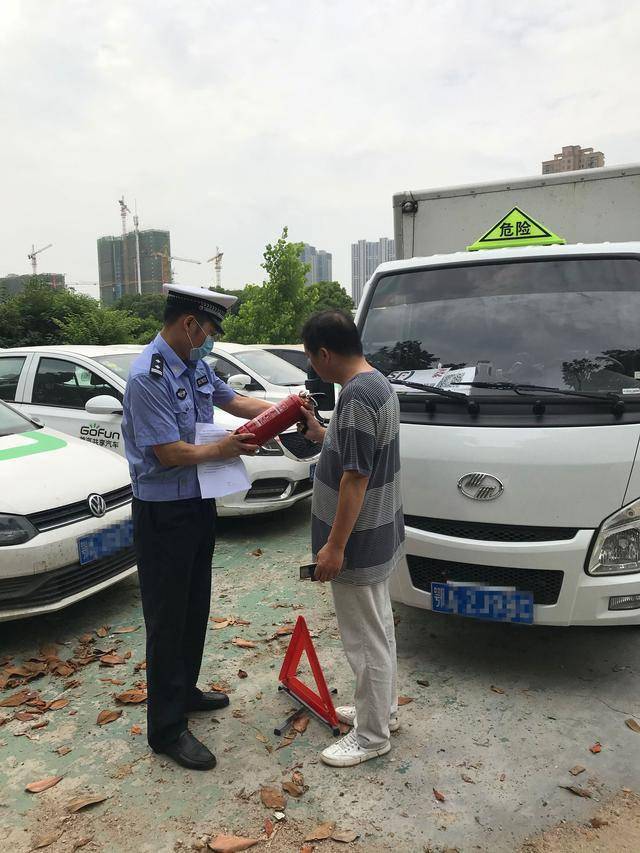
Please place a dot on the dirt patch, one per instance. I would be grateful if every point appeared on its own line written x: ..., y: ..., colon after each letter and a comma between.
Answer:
x: 614, y: 828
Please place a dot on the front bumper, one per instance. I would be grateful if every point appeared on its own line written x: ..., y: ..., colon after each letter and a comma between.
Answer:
x: 277, y: 482
x: 578, y: 598
x: 44, y: 575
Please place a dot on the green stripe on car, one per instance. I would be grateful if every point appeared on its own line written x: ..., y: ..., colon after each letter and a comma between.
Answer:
x: 38, y: 443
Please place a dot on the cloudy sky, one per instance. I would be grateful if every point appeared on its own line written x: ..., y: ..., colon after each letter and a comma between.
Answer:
x: 227, y: 121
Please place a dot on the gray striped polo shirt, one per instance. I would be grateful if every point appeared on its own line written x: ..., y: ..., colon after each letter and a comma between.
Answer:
x: 363, y: 436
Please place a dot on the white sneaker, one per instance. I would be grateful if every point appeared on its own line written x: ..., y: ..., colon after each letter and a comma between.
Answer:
x: 347, y: 752
x: 347, y: 714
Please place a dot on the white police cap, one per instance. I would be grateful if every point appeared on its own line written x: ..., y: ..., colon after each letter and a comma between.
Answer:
x: 215, y: 305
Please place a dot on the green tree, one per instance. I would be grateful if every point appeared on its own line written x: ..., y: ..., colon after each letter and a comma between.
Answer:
x: 32, y: 317
x: 275, y: 312
x: 148, y: 309
x: 326, y: 295
x: 240, y: 295
x: 100, y: 327
x: 143, y: 305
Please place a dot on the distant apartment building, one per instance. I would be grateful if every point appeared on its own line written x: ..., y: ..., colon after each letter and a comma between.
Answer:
x: 320, y: 263
x: 571, y: 158
x: 118, y: 268
x: 13, y: 284
x: 365, y: 257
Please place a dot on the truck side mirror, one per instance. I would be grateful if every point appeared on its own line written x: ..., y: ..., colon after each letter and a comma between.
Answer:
x: 324, y: 392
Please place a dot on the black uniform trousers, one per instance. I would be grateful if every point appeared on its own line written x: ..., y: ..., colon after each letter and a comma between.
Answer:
x: 174, y: 543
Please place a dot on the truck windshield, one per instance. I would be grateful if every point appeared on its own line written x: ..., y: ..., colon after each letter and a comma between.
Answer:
x: 567, y: 323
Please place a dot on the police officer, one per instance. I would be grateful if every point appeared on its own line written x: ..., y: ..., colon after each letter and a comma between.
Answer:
x: 170, y: 389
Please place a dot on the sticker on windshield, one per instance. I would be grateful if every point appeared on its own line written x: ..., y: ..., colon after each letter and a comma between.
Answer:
x: 439, y: 377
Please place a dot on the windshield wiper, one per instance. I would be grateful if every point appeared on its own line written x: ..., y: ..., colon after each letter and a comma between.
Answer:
x: 616, y: 402
x: 523, y: 388
x: 442, y: 392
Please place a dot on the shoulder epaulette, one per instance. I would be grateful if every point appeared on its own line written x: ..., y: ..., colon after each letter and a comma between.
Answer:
x: 156, y: 367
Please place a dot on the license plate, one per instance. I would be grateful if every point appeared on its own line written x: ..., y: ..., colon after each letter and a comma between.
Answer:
x: 312, y: 470
x: 499, y: 604
x: 105, y: 542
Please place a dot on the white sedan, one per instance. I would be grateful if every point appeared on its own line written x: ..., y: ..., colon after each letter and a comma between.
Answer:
x: 79, y: 390
x: 65, y: 518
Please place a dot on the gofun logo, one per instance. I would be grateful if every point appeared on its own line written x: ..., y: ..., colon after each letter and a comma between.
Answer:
x: 94, y: 431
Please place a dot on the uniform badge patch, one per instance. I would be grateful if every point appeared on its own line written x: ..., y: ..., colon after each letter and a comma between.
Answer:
x: 201, y: 380
x: 157, y: 365
x: 181, y: 393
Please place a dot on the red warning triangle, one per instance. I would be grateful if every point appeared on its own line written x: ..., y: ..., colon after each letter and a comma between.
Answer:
x: 320, y: 703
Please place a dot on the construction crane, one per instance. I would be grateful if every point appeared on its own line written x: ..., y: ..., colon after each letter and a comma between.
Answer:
x: 217, y: 265
x: 136, y: 228
x: 125, y: 259
x: 32, y: 256
x: 166, y: 258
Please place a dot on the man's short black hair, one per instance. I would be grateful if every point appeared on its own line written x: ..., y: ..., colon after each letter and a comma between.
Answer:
x: 174, y: 312
x: 334, y: 330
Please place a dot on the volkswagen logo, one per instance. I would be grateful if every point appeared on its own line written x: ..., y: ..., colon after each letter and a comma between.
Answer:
x: 480, y: 487
x: 97, y: 505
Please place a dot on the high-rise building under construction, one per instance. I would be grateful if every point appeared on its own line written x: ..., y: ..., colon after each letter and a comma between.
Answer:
x: 118, y: 266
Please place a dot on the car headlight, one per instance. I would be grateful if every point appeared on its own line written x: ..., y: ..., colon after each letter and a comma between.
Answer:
x: 617, y: 548
x: 14, y: 530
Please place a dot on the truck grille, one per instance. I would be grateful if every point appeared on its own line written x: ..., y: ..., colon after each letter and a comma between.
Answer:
x: 298, y: 445
x: 51, y: 587
x: 544, y: 584
x: 489, y: 532
x: 49, y: 519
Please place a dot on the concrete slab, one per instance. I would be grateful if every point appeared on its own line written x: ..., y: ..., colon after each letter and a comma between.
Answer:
x: 499, y: 756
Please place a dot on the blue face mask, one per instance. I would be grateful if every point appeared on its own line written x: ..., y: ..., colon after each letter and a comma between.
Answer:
x: 204, y: 349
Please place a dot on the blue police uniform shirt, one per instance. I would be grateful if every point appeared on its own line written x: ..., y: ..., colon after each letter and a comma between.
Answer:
x: 164, y: 399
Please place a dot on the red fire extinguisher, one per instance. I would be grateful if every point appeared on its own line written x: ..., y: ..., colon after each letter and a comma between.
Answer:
x: 275, y: 420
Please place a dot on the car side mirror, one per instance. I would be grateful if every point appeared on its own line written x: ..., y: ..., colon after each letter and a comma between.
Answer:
x: 103, y: 404
x: 240, y: 381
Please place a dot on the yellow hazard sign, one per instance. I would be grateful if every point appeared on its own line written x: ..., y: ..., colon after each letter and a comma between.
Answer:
x: 517, y: 228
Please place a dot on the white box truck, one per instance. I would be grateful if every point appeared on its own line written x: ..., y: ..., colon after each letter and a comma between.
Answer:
x: 511, y: 329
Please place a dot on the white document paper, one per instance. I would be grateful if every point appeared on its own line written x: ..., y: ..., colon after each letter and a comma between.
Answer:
x: 219, y: 477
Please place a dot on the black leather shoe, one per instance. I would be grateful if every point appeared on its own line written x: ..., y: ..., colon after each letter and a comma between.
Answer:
x: 189, y: 752
x: 211, y: 701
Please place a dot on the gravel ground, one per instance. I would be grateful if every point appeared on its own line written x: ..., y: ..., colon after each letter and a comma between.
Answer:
x: 498, y: 716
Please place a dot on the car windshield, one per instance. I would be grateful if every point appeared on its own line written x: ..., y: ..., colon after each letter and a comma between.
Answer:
x: 297, y: 357
x: 11, y: 423
x: 120, y: 363
x: 570, y: 324
x: 270, y: 367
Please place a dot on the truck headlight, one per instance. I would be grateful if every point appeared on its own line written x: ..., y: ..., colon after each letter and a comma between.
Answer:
x: 617, y: 548
x: 14, y: 530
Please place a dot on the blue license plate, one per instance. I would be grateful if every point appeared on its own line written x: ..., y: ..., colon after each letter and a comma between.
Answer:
x: 105, y: 542
x: 482, y: 602
x: 312, y: 470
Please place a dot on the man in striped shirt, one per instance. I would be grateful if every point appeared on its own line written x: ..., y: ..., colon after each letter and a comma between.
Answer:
x: 357, y: 527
